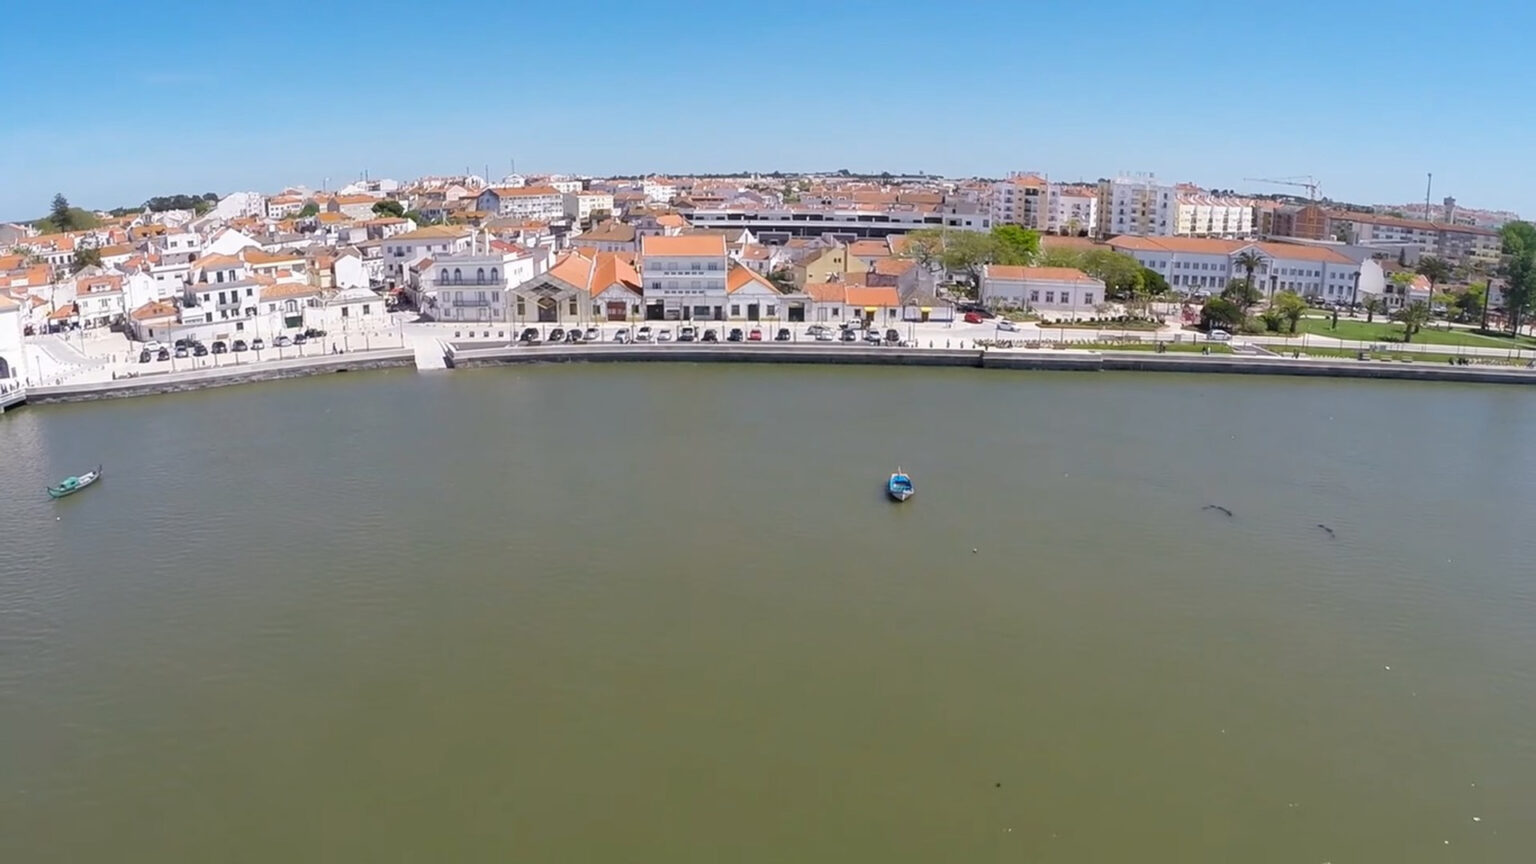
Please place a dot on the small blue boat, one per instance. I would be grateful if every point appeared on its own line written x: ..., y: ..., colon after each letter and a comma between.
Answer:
x: 900, y: 486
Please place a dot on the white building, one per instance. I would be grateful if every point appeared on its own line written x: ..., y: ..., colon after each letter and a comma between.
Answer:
x: 403, y: 249
x: 684, y: 277
x: 529, y: 202
x: 1200, y: 214
x: 1205, y: 266
x: 13, y: 349
x: 239, y: 205
x: 1071, y: 210
x: 580, y: 205
x: 476, y: 285
x: 658, y: 190
x: 1135, y: 205
x: 99, y: 300
x: 1057, y: 289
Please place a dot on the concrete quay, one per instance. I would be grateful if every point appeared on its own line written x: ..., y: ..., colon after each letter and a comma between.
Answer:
x: 198, y: 379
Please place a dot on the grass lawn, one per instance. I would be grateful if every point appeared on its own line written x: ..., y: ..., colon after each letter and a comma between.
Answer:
x: 1391, y: 331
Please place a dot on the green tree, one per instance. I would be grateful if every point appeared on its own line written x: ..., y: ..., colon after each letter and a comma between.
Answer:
x: 388, y: 208
x: 85, y: 257
x: 1289, y: 306
x: 1219, y: 313
x: 1120, y: 273
x: 1273, y: 319
x: 1242, y: 295
x: 1519, y: 270
x: 1412, y: 316
x: 1469, y: 303
x: 925, y: 246
x: 1436, y: 270
x: 784, y: 280
x: 1250, y: 260
x: 967, y: 252
x: 1373, y: 305
x: 1056, y: 256
x: 1015, y: 245
x: 308, y: 210
x: 62, y: 217
x: 417, y: 217
x: 1153, y: 282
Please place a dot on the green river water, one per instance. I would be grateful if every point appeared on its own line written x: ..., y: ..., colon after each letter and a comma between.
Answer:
x: 665, y: 613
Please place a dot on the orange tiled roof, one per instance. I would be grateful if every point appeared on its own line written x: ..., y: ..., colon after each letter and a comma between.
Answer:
x: 1045, y: 274
x: 685, y: 244
x: 739, y: 277
x: 153, y: 309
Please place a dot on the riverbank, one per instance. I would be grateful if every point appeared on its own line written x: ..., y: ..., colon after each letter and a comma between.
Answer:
x: 473, y: 356
x: 200, y: 379
x: 477, y: 355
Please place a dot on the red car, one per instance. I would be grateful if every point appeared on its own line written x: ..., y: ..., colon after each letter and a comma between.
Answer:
x: 972, y: 318
x: 755, y: 335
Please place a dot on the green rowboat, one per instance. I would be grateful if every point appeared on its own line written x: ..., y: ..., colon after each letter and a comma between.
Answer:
x: 71, y: 485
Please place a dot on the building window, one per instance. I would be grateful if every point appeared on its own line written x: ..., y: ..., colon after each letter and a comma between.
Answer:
x: 520, y: 309
x: 365, y: 308
x: 458, y: 277
x: 573, y: 306
x: 493, y: 274
x: 772, y: 310
x: 344, y: 311
x: 1050, y: 296
x: 735, y: 310
x: 1034, y: 296
x: 1088, y: 298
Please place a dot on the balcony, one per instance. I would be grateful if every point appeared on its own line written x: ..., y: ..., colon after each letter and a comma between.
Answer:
x: 471, y: 282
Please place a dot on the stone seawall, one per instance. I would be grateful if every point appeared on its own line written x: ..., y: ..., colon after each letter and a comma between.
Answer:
x: 465, y: 357
x: 199, y: 379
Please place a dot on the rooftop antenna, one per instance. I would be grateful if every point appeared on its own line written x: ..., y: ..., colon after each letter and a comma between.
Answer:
x: 1429, y: 183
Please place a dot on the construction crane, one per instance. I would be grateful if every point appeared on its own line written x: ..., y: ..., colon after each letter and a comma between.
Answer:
x: 1306, y: 181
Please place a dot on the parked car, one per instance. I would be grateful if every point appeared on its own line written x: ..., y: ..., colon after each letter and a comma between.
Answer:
x: 183, y: 352
x: 573, y: 335
x: 621, y: 337
x: 557, y: 335
x: 815, y: 330
x: 872, y: 336
x: 644, y: 334
x: 593, y: 334
x: 239, y: 346
x: 281, y: 342
x: 735, y: 335
x: 300, y: 339
x: 1006, y: 325
x: 163, y: 354
x: 893, y: 336
x: 711, y: 336
x: 258, y: 344
x: 219, y: 347
x: 825, y: 335
x: 146, y: 355
x: 184, y: 343
x: 153, y: 345
x: 976, y: 308
x: 314, y: 332
x: 1219, y: 336
x: 530, y: 336
x: 755, y: 335
x: 783, y: 335
x: 663, y: 335
x: 686, y: 334
x: 973, y: 318
x: 850, y: 335
x: 199, y: 350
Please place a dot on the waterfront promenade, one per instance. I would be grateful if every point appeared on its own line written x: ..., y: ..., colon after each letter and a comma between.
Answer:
x: 433, y: 346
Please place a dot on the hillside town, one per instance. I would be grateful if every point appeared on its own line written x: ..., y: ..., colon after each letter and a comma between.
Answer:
x: 250, y: 271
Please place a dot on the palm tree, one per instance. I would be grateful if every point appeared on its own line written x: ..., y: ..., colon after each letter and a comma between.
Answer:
x: 1412, y: 316
x: 1436, y: 270
x: 1250, y: 260
x: 1372, y: 306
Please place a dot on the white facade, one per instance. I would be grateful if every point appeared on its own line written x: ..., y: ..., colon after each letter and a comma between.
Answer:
x: 1201, y: 215
x: 1206, y: 266
x: 581, y: 205
x: 683, y: 277
x: 530, y: 202
x: 348, y: 271
x: 476, y: 286
x: 403, y: 249
x: 1071, y: 210
x: 1135, y: 205
x: 658, y: 191
x: 13, y: 350
x: 228, y: 242
x: 239, y: 205
x: 1047, y: 288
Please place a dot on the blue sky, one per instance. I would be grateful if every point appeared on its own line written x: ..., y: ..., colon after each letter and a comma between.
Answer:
x: 111, y: 103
